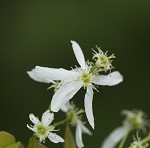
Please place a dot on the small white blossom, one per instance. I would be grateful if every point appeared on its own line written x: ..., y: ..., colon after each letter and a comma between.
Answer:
x: 42, y: 129
x: 134, y: 120
x: 137, y: 143
x: 103, y: 61
x: 73, y: 80
x: 75, y: 120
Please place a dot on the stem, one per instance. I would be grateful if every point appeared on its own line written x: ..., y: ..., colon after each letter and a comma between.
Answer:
x: 123, y: 140
x: 61, y: 122
x: 93, y: 69
x: 32, y: 139
x: 146, y: 139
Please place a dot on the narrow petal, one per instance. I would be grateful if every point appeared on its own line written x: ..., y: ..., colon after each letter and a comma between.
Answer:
x: 31, y: 128
x: 115, y: 137
x: 64, y: 94
x: 34, y: 119
x: 78, y: 54
x: 111, y: 79
x: 48, y: 74
x: 55, y: 138
x: 47, y: 118
x: 79, y: 136
x: 41, y: 138
x: 66, y: 107
x: 88, y: 106
x: 85, y: 129
x: 36, y: 77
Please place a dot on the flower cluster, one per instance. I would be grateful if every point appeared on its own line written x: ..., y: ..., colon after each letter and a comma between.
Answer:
x: 66, y: 84
x: 86, y: 76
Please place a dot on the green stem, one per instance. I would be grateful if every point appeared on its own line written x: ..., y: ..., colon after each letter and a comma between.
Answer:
x: 61, y: 122
x: 93, y: 69
x: 123, y: 140
x: 146, y: 139
x: 32, y: 139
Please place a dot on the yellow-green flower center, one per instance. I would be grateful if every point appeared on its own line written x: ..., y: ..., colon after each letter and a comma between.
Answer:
x: 135, y: 120
x: 41, y: 130
x: 102, y: 61
x: 73, y: 116
x: 86, y: 78
x: 137, y: 144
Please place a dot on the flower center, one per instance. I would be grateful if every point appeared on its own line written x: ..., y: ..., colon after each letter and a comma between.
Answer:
x: 102, y: 61
x: 137, y: 145
x: 86, y: 78
x: 41, y: 130
x: 136, y: 121
x: 73, y: 115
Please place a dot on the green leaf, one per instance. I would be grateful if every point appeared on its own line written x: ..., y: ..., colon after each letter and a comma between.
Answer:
x: 69, y: 138
x: 6, y: 139
x: 16, y: 145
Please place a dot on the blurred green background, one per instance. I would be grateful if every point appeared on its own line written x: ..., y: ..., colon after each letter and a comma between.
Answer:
x: 39, y: 33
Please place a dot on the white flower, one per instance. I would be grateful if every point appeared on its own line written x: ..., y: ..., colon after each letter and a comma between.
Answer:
x: 134, y: 120
x: 43, y: 129
x: 75, y: 120
x: 103, y: 62
x: 77, y: 78
x: 137, y: 143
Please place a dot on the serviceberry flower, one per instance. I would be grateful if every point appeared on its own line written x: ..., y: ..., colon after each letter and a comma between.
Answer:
x: 75, y: 119
x: 134, y: 120
x: 137, y: 143
x: 86, y: 76
x: 103, y: 61
x: 42, y: 129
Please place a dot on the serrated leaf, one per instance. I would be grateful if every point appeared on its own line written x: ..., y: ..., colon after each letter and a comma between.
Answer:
x: 69, y: 138
x: 6, y: 139
x: 15, y: 145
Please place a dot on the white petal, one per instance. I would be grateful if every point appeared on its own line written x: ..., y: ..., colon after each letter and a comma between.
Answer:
x: 115, y: 137
x: 48, y: 74
x: 111, y: 79
x: 84, y: 129
x: 126, y: 112
x: 78, y: 54
x: 36, y: 77
x: 31, y: 128
x: 47, y: 118
x: 55, y: 138
x: 64, y: 94
x: 79, y: 136
x: 34, y: 119
x: 66, y: 107
x: 41, y: 138
x: 88, y: 106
